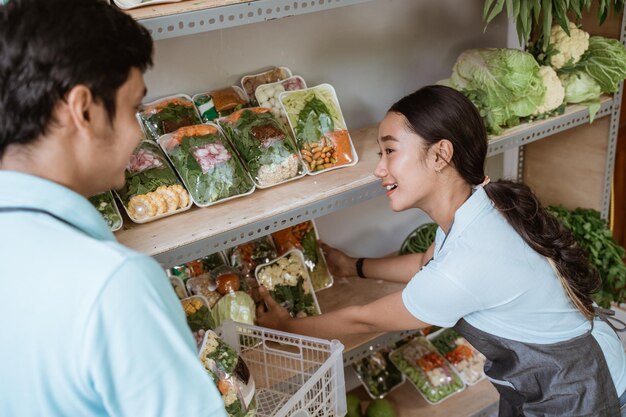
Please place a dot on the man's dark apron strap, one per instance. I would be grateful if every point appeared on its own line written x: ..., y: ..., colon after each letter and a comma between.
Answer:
x: 569, y: 378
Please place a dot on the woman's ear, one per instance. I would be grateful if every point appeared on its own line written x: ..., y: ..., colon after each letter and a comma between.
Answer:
x: 443, y: 154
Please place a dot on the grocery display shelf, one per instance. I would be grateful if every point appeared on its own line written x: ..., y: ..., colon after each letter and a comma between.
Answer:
x: 191, y: 17
x: 480, y: 400
x: 197, y: 232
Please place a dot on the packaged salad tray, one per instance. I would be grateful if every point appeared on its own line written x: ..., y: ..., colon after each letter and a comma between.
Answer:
x: 179, y: 287
x: 378, y: 375
x: 467, y: 361
x: 287, y: 280
x: 207, y: 164
x: 319, y: 128
x: 251, y: 82
x: 198, y: 316
x: 152, y: 189
x: 235, y: 303
x: 220, y: 103
x: 267, y: 95
x: 105, y: 204
x: 247, y: 256
x: 167, y: 115
x: 198, y: 267
x: 427, y: 370
x: 304, y: 237
x: 266, y: 149
x: 230, y: 375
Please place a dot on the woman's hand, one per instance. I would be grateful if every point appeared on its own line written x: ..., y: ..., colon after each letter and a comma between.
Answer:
x: 339, y: 264
x: 271, y: 314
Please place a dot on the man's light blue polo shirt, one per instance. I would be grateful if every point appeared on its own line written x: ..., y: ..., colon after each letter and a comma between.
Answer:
x: 484, y: 272
x: 89, y: 327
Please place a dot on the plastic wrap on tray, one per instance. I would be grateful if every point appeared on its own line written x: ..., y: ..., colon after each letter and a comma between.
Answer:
x: 467, y: 361
x: 230, y: 374
x: 133, y: 4
x: 287, y: 280
x: 179, y: 287
x: 266, y: 149
x: 208, y: 166
x: 152, y: 189
x: 247, y: 256
x: 378, y: 375
x: 304, y: 236
x: 198, y: 316
x: 219, y: 103
x: 167, y: 115
x: 251, y: 82
x: 319, y: 128
x: 105, y: 204
x: 267, y: 95
x: 235, y: 303
x: 205, y: 286
x: 427, y: 370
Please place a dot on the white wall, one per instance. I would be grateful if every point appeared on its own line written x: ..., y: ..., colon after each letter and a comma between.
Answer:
x: 373, y: 54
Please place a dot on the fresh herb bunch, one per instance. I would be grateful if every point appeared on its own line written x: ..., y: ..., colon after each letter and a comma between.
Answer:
x: 294, y: 299
x: 224, y: 180
x: 592, y: 234
x: 527, y: 14
x: 254, y: 152
x: 170, y: 118
x: 419, y: 240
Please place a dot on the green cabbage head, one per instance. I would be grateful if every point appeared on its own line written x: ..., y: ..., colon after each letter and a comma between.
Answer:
x: 503, y: 83
x: 580, y: 87
x: 237, y: 306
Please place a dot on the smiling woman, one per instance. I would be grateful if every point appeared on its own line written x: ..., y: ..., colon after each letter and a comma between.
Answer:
x: 502, y: 271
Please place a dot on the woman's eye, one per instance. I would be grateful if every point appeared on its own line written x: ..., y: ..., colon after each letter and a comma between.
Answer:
x: 388, y: 151
x: 380, y: 154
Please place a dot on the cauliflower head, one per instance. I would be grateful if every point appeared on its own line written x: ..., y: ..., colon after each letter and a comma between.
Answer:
x: 555, y: 92
x: 568, y: 48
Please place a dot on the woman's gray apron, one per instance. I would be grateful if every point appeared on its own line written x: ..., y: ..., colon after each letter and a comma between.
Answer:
x: 569, y: 378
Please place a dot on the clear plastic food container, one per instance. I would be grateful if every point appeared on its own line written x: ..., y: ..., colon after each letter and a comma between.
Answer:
x: 427, y: 370
x: 167, y: 115
x: 205, y: 161
x: 133, y: 4
x: 267, y: 95
x: 464, y: 358
x: 246, y: 256
x: 179, y: 287
x: 268, y: 152
x: 304, y: 237
x: 288, y: 282
x: 198, y: 267
x: 105, y: 204
x: 251, y: 82
x: 152, y: 190
x: 205, y: 286
x: 319, y: 128
x: 198, y: 316
x: 378, y: 375
x: 220, y: 103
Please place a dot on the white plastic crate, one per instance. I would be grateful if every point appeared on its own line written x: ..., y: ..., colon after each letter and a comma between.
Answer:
x: 294, y: 375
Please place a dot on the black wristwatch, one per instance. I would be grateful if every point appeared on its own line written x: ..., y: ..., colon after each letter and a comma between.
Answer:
x: 359, y: 267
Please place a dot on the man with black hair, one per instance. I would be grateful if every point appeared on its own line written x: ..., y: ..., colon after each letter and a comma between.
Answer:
x: 89, y: 327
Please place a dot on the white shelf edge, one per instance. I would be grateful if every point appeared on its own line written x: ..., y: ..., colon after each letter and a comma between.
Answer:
x: 215, y: 18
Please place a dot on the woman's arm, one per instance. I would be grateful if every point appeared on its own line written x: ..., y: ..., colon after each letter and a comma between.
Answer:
x: 383, y: 315
x: 392, y: 268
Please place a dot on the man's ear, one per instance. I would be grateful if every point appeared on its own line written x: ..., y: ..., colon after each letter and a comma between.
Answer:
x: 79, y: 105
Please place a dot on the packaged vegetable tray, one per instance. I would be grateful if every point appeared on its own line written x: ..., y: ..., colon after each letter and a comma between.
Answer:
x: 235, y: 303
x: 167, y: 115
x: 198, y: 316
x: 467, y: 361
x: 251, y: 82
x: 152, y: 190
x: 304, y: 237
x: 179, y: 287
x: 319, y: 128
x: 246, y: 256
x: 230, y: 375
x: 267, y: 95
x: 266, y: 149
x: 220, y: 103
x: 287, y: 280
x: 427, y: 370
x: 197, y: 267
x: 378, y: 375
x: 105, y: 204
x: 133, y: 4
x: 207, y: 164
